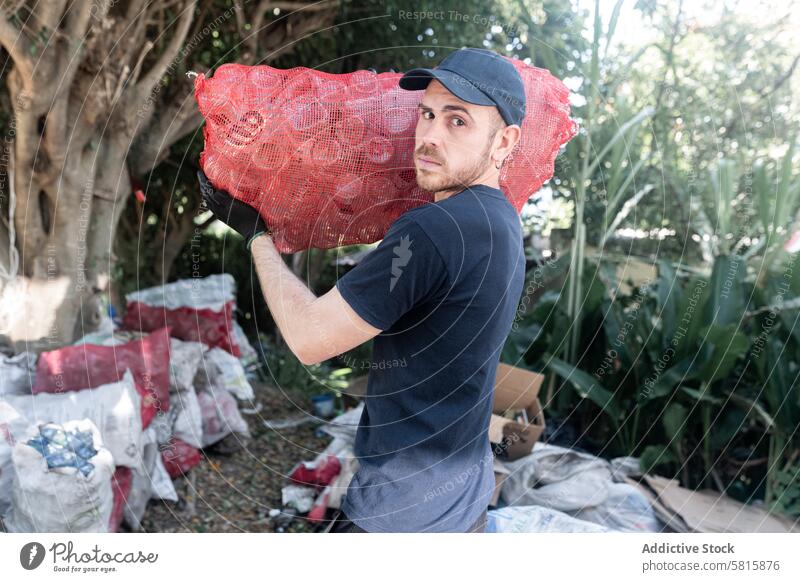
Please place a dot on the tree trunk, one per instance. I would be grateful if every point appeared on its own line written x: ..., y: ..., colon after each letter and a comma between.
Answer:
x: 88, y: 98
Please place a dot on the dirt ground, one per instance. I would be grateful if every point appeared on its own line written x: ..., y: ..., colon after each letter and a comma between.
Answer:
x: 235, y: 492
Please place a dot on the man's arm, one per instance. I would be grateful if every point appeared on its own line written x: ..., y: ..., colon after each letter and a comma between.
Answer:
x: 315, y: 328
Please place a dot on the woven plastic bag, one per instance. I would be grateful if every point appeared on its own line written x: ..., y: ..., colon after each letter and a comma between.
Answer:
x: 61, y: 499
x: 89, y: 366
x: 113, y: 408
x: 328, y: 159
x: 197, y: 310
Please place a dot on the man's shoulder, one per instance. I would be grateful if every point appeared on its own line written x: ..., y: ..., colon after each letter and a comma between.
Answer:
x: 462, y: 215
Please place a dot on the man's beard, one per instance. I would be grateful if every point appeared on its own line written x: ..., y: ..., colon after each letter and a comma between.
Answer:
x: 444, y: 181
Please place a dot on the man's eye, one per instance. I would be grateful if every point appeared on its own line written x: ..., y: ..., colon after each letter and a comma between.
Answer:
x: 459, y: 120
x: 426, y: 113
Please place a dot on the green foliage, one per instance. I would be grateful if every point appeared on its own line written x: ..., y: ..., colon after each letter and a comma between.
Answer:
x: 283, y: 370
x: 787, y: 485
x: 679, y: 370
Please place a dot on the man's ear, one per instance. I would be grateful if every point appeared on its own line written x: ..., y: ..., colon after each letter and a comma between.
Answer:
x: 509, y: 138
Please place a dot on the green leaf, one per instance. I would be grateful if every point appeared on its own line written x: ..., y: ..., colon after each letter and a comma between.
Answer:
x: 763, y: 191
x: 785, y: 193
x: 727, y: 427
x: 689, y: 318
x: 726, y: 346
x: 653, y: 456
x: 668, y: 295
x: 674, y: 421
x: 751, y: 407
x: 629, y: 126
x: 726, y: 301
x: 595, y: 291
x: 703, y: 396
x: 586, y: 386
x: 615, y: 340
x: 724, y: 182
x: 612, y: 24
x: 680, y: 372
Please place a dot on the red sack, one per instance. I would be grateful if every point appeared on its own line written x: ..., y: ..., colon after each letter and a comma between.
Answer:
x: 121, y: 482
x: 89, y: 366
x: 179, y: 457
x: 213, y: 328
x: 197, y: 309
x: 328, y: 159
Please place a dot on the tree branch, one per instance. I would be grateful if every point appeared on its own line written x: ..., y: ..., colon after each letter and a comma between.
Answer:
x: 153, y: 140
x: 780, y: 80
x: 48, y: 15
x: 78, y: 19
x: 56, y: 131
x: 17, y: 46
x: 146, y: 85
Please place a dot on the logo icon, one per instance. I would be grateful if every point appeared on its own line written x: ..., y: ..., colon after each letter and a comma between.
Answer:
x: 402, y: 252
x: 31, y: 555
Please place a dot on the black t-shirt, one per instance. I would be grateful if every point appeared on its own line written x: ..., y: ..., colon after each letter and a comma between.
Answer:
x: 443, y: 285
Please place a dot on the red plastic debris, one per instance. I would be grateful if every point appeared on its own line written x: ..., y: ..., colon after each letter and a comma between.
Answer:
x: 121, y: 482
x: 179, y: 457
x: 316, y: 475
x: 328, y: 159
x: 318, y: 511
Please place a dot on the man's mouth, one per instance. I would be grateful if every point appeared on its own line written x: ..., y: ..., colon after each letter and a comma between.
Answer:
x: 427, y: 162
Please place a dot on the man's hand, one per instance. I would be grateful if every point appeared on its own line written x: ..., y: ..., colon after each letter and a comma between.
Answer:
x: 239, y: 215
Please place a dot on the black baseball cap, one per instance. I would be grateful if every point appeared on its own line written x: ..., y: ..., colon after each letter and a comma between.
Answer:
x: 478, y: 76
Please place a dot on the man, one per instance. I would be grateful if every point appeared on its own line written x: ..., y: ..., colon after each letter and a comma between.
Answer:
x: 438, y: 294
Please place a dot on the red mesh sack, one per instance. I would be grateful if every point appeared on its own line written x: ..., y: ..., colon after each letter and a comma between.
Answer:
x: 328, y: 159
x: 196, y: 310
x: 89, y: 366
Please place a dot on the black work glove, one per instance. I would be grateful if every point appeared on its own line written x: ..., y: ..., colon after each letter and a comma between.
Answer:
x: 239, y: 215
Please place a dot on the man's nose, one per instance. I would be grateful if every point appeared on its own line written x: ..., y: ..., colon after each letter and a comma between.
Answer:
x: 430, y: 133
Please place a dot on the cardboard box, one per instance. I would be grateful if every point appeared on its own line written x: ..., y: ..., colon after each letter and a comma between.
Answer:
x: 707, y: 511
x: 355, y: 391
x: 515, y: 389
